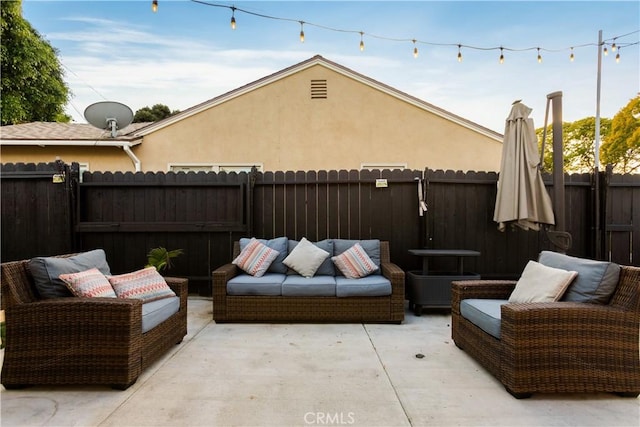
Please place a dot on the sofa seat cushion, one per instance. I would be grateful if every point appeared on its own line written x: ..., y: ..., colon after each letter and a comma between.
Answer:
x: 484, y: 313
x: 245, y: 284
x: 596, y: 281
x: 370, y: 286
x: 156, y: 312
x: 317, y: 286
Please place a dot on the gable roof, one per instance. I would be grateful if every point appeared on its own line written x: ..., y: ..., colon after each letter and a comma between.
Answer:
x: 319, y: 60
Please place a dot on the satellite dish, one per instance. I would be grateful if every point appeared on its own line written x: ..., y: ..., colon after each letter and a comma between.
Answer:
x: 109, y: 115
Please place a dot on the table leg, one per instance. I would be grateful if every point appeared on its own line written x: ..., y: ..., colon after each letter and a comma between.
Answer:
x: 460, y: 266
x: 425, y: 265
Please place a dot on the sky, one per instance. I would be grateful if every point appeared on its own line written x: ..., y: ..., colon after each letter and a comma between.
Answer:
x: 186, y: 53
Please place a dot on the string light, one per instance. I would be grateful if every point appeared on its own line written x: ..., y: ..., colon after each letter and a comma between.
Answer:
x: 154, y: 6
x: 612, y: 42
x: 233, y: 18
x: 618, y: 56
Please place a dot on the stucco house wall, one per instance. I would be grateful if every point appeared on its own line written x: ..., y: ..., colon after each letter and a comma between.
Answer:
x: 275, y: 123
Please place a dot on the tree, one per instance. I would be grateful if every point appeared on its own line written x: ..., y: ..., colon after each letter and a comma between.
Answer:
x: 622, y: 148
x: 32, y: 85
x: 153, y: 114
x: 578, y: 140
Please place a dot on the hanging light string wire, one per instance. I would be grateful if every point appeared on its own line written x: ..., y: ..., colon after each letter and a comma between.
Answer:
x: 613, y: 41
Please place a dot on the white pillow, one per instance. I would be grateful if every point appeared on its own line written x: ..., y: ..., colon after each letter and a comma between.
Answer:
x: 540, y: 283
x: 305, y: 258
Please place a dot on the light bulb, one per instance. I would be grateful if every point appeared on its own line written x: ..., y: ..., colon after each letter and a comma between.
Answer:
x: 613, y: 47
x: 606, y: 52
x: 459, y: 54
x: 415, y: 49
x: 618, y: 57
x: 301, y: 32
x: 539, y: 56
x: 501, y: 56
x: 571, y: 57
x: 233, y: 18
x: 154, y: 6
x: 361, y: 42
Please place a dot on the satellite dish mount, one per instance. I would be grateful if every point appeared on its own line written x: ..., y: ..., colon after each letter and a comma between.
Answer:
x: 109, y: 115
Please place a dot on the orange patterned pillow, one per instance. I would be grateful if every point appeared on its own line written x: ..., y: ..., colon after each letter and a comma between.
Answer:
x: 146, y: 284
x: 88, y: 283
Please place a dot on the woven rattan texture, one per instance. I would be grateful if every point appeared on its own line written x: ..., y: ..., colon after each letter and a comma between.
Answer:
x: 251, y: 308
x: 559, y: 346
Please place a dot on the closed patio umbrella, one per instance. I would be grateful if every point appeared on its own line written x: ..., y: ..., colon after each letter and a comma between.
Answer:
x: 522, y: 199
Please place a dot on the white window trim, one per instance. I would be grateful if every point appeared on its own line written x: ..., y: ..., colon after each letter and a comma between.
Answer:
x: 381, y: 166
x: 217, y: 167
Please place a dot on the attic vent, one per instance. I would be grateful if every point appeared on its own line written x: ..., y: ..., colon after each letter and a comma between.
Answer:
x: 318, y: 89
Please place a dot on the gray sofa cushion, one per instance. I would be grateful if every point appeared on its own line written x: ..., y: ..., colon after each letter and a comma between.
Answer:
x: 371, y: 247
x: 326, y: 268
x: 296, y: 286
x: 370, y: 286
x: 484, y: 313
x: 279, y: 244
x: 245, y: 284
x: 596, y: 280
x: 46, y: 271
x: 156, y: 312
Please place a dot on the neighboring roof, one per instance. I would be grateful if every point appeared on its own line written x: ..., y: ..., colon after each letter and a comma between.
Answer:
x: 54, y: 131
x: 318, y: 60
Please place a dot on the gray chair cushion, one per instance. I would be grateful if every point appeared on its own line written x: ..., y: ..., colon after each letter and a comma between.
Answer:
x: 484, y: 313
x: 46, y: 271
x: 298, y: 286
x: 370, y: 286
x: 280, y: 245
x: 156, y: 312
x: 596, y: 281
x: 326, y: 268
x: 371, y: 247
x: 245, y: 284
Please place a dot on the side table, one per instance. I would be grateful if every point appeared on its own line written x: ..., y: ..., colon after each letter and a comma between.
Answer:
x: 432, y: 289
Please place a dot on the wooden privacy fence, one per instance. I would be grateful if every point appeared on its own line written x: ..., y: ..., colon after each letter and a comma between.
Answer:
x: 203, y: 213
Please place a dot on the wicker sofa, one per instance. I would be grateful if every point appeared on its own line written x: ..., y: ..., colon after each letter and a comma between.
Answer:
x: 282, y: 308
x: 551, y: 347
x: 80, y: 340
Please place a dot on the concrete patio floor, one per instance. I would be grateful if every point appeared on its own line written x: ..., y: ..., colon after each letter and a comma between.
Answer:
x: 312, y: 374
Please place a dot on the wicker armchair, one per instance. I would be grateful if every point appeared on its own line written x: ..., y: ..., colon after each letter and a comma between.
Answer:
x: 558, y: 346
x: 80, y: 340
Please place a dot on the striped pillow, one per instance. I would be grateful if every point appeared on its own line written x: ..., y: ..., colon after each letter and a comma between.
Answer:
x: 354, y: 262
x: 256, y: 258
x: 146, y: 284
x: 88, y: 283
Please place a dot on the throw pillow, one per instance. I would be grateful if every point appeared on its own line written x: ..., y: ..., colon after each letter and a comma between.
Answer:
x: 306, y: 258
x: 326, y: 268
x: 146, y: 284
x: 89, y: 283
x: 255, y: 258
x: 354, y: 262
x: 279, y: 244
x: 540, y: 283
x: 370, y: 246
x: 46, y: 271
x: 596, y: 282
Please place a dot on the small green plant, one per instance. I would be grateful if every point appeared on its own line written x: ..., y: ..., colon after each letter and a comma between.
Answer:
x: 160, y: 258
